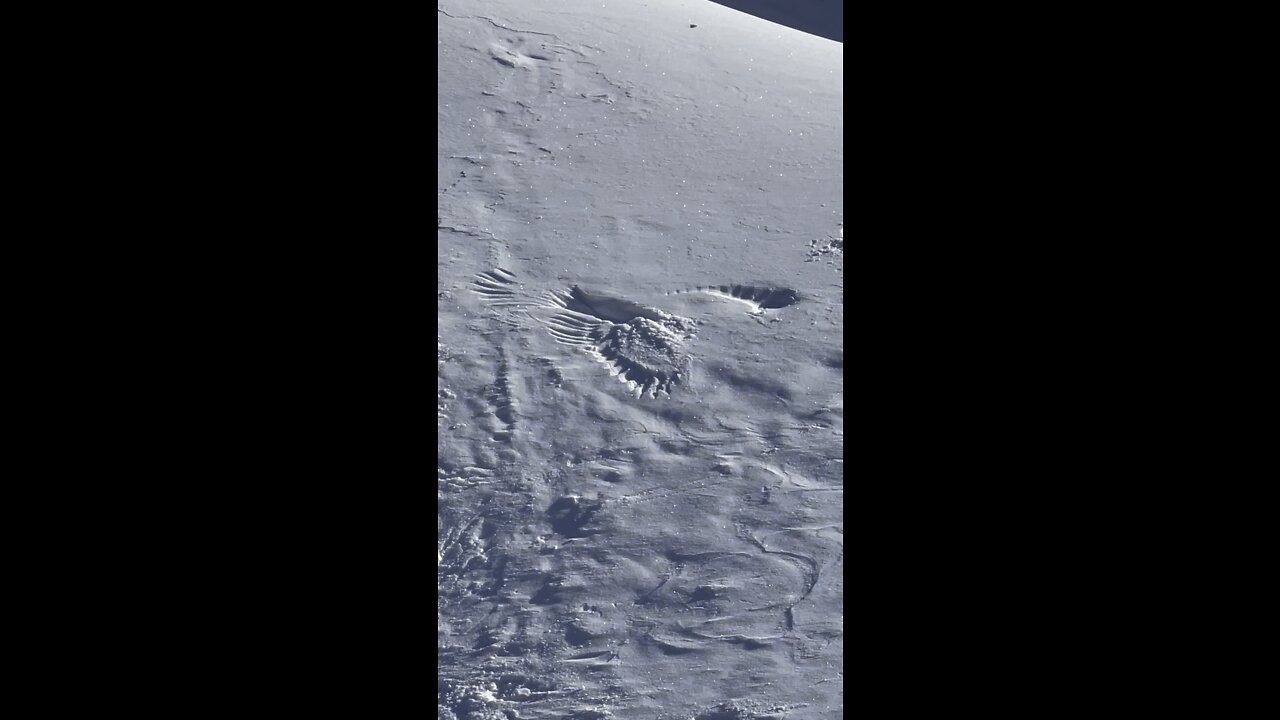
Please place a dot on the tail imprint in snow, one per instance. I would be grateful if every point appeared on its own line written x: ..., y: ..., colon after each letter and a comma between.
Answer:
x: 758, y: 297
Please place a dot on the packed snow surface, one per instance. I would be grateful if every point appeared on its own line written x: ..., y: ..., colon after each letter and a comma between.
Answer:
x: 640, y: 362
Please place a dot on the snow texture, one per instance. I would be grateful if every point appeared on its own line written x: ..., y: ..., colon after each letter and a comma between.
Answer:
x: 639, y: 362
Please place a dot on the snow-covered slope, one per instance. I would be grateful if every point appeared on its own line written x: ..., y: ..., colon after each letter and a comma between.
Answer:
x: 640, y: 374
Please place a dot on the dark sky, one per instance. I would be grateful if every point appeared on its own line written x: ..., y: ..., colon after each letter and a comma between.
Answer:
x: 824, y: 18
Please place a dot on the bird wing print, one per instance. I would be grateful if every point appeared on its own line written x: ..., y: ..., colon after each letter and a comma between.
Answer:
x: 643, y: 347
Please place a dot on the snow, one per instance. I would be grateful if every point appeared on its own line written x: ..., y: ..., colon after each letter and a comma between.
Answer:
x: 640, y: 369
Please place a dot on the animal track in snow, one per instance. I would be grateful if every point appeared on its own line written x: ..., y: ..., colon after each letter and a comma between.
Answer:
x: 759, y: 297
x: 643, y: 354
x: 642, y: 346
x: 497, y: 288
x: 618, y: 310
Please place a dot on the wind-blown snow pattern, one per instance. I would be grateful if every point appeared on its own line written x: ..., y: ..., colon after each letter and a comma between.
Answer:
x: 640, y: 364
